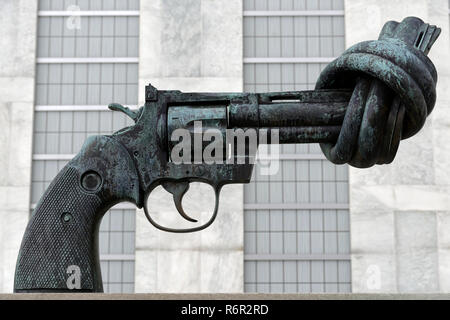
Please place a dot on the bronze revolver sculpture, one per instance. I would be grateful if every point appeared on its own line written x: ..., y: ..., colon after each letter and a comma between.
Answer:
x: 365, y: 102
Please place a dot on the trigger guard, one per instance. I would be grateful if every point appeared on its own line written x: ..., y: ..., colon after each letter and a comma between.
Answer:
x: 187, y: 230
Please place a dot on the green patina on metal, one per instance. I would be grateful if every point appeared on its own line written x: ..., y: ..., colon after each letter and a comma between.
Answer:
x: 375, y: 94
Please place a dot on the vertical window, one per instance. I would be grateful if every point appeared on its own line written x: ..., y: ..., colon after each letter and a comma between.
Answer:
x: 87, y: 57
x: 297, y: 233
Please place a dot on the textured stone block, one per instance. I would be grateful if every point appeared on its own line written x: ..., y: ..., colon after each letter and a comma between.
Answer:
x: 414, y: 163
x: 364, y: 19
x: 417, y: 258
x: 371, y: 198
x: 422, y: 197
x: 178, y: 271
x: 18, y: 40
x: 181, y: 38
x: 374, y: 176
x: 17, y: 89
x: 444, y: 270
x: 221, y: 52
x: 373, y: 273
x: 443, y: 229
x: 222, y: 271
x: 372, y: 232
x: 146, y: 281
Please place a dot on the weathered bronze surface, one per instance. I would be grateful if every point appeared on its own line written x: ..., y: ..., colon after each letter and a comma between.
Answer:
x: 375, y: 94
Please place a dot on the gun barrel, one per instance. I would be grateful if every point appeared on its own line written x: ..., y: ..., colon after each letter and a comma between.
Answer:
x: 312, y: 134
x: 292, y: 114
x: 299, y: 117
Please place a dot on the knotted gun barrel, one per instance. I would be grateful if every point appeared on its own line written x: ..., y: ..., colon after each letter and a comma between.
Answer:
x: 394, y: 90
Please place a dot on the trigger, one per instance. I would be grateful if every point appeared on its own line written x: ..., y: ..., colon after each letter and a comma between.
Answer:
x: 178, y: 189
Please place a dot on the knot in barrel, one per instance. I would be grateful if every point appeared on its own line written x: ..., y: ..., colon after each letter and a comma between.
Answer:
x: 394, y: 90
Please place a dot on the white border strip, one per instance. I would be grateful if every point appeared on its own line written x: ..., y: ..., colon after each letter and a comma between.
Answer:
x: 304, y: 156
x: 77, y: 107
x: 88, y: 60
x: 92, y: 13
x: 53, y: 156
x: 298, y: 257
x: 296, y: 206
x: 124, y: 206
x: 290, y: 60
x: 294, y: 13
x: 117, y: 257
x: 300, y: 156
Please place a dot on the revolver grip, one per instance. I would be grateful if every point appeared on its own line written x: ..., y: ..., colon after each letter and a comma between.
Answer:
x: 59, y: 251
